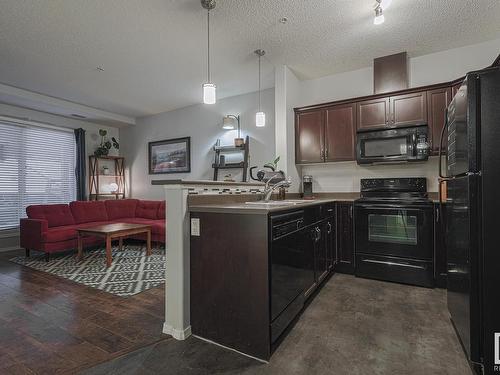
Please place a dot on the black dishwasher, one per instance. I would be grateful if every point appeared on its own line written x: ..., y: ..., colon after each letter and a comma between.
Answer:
x: 292, y: 268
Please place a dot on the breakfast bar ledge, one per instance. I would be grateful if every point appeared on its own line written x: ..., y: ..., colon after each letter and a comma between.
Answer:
x: 177, y: 280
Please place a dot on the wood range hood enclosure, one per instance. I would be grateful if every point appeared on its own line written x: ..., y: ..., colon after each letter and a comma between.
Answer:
x: 390, y: 73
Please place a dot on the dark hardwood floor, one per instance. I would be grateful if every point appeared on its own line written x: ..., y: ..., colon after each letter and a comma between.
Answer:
x: 50, y: 325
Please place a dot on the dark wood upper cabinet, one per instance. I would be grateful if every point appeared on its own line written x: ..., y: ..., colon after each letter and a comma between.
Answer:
x: 454, y: 88
x: 408, y: 109
x: 340, y: 132
x: 309, y: 137
x: 373, y: 113
x: 437, y: 102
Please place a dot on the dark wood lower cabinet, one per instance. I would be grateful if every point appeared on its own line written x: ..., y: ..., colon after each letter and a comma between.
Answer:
x: 230, y: 282
x: 345, y: 238
x: 251, y: 274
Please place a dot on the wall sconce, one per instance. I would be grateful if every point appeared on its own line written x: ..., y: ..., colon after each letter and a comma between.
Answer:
x: 228, y: 123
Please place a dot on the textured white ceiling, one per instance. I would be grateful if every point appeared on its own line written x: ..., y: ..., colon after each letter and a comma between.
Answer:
x: 153, y: 51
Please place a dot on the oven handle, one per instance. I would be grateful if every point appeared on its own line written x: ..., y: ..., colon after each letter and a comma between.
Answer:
x: 394, y: 206
x: 392, y: 264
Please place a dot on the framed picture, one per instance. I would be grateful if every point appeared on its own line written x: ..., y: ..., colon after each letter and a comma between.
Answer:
x: 170, y: 156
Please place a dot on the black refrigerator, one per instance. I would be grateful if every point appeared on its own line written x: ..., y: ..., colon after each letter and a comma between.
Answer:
x: 473, y: 217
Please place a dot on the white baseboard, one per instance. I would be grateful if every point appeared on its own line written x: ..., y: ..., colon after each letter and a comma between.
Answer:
x: 3, y: 249
x: 177, y: 334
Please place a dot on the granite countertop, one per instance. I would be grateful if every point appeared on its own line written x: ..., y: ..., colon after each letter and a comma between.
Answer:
x: 238, y: 205
x: 244, y: 208
x: 204, y: 182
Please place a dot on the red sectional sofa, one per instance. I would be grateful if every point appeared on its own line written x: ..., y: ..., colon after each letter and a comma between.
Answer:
x: 52, y: 228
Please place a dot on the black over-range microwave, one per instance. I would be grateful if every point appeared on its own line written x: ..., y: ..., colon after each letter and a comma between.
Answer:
x: 392, y: 145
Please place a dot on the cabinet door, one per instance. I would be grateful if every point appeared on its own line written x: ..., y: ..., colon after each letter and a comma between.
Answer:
x: 340, y: 132
x: 309, y: 137
x: 409, y: 109
x: 345, y: 238
x: 321, y: 252
x: 331, y: 246
x: 454, y: 89
x: 437, y: 102
x: 372, y: 113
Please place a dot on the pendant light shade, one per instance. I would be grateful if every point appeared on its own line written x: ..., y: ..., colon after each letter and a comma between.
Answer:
x: 209, y: 95
x: 209, y: 88
x: 260, y: 117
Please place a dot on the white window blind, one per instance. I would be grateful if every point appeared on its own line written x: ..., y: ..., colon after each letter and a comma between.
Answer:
x: 37, y: 166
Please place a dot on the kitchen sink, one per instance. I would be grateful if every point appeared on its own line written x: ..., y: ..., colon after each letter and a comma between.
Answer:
x: 286, y: 202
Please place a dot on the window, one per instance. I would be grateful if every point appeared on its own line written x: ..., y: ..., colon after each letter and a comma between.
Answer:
x: 37, y: 166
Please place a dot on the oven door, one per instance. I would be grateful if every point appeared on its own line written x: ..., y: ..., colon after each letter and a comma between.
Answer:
x: 394, y: 230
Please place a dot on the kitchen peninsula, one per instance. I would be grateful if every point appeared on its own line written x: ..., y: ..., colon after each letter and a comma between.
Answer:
x: 243, y: 229
x: 177, y: 304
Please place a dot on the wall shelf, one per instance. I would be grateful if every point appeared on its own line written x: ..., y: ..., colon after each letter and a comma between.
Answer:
x: 245, y: 149
x: 118, y: 177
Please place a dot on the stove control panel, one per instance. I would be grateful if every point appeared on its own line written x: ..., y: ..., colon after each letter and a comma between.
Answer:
x: 412, y: 184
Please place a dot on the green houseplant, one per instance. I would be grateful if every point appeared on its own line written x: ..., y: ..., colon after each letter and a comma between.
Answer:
x: 106, y: 144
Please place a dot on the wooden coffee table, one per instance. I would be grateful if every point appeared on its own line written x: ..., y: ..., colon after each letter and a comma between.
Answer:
x: 110, y: 232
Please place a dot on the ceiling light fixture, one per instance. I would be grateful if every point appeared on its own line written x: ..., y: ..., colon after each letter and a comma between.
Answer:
x: 385, y: 4
x: 209, y: 88
x: 380, y: 6
x: 379, y: 16
x: 260, y: 117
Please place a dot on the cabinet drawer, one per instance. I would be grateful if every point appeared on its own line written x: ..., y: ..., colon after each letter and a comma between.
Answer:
x: 400, y: 270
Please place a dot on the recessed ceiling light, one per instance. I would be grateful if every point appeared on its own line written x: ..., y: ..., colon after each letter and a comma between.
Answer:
x: 283, y: 20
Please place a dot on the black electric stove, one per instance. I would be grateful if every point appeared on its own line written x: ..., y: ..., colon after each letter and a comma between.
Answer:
x: 394, y: 231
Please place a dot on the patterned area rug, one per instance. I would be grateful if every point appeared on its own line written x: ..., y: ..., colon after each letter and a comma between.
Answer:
x: 130, y: 273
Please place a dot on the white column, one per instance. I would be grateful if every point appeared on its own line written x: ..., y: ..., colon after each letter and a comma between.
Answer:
x: 177, y: 288
x: 286, y: 91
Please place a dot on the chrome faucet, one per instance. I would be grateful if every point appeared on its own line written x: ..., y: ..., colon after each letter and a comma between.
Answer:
x: 268, y: 189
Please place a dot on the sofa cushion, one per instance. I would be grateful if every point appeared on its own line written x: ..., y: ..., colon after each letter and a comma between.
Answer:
x: 55, y: 214
x: 85, y: 212
x: 69, y: 232
x: 121, y: 208
x: 147, y: 209
x: 157, y: 226
x: 161, y: 210
x: 64, y: 233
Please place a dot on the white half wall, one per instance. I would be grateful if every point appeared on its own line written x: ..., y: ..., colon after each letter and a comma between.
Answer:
x: 203, y: 123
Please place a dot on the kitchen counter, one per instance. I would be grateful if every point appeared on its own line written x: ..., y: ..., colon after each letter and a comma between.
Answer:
x: 240, y: 207
x: 205, y: 183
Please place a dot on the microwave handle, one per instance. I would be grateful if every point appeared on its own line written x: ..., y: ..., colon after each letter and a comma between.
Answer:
x: 445, y: 127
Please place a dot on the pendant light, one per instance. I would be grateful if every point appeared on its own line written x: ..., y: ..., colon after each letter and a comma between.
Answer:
x: 260, y: 117
x: 209, y: 95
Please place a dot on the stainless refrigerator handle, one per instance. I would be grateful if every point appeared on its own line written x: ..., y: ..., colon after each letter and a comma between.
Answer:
x: 445, y: 127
